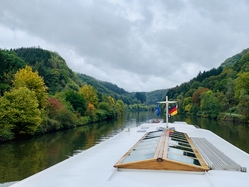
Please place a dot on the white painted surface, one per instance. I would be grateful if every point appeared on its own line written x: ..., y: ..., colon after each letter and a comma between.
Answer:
x: 94, y: 167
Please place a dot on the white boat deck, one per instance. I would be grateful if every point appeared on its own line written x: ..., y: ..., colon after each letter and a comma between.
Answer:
x: 94, y: 167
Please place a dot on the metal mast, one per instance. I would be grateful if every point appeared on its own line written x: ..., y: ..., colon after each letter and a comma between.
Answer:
x: 167, y: 110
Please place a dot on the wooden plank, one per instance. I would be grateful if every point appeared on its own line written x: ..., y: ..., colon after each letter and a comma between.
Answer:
x: 166, y: 145
x: 160, y: 146
x: 153, y: 164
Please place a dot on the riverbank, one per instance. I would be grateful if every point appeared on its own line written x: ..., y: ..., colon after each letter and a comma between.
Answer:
x: 26, y: 157
x: 230, y: 117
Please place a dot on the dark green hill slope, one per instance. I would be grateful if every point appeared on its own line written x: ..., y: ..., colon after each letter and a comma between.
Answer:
x: 52, y: 67
x: 9, y: 64
x: 108, y: 88
x: 232, y: 60
x: 220, y: 90
x: 155, y: 96
x: 57, y: 75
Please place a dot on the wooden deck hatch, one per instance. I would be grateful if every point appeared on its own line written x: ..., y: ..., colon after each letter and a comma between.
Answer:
x: 163, y: 150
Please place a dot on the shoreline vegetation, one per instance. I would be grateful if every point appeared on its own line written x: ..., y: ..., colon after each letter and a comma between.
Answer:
x: 221, y: 93
x: 27, y: 109
x: 40, y: 94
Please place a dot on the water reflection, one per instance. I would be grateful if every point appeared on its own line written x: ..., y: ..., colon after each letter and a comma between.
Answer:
x: 20, y: 159
x: 236, y: 134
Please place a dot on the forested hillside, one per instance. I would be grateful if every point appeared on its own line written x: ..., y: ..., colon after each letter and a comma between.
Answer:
x: 222, y: 92
x: 58, y: 77
x: 109, y: 89
x: 154, y: 96
x: 40, y: 94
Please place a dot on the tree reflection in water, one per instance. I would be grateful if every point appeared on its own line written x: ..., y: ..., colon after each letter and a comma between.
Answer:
x: 20, y: 159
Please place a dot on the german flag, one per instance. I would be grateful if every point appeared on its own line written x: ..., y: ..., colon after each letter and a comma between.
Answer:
x: 173, y: 110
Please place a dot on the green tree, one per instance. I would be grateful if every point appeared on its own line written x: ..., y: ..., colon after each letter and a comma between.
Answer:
x: 6, y: 125
x: 10, y: 63
x: 19, y: 110
x: 209, y: 104
x: 230, y: 92
x: 242, y: 93
x: 195, y: 85
x: 31, y: 80
x: 120, y: 107
x: 187, y: 105
x: 141, y: 96
x: 66, y: 118
x: 77, y: 101
x: 244, y: 105
x: 242, y: 84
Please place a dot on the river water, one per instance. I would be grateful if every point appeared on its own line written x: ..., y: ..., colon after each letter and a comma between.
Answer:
x: 20, y: 159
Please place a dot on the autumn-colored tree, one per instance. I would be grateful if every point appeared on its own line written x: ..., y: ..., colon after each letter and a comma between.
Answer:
x: 89, y: 94
x: 187, y: 105
x: 196, y: 95
x: 19, y: 111
x: 53, y: 105
x: 31, y: 80
x: 90, y: 109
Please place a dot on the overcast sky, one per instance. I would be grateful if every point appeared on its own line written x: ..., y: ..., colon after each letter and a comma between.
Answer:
x: 139, y: 45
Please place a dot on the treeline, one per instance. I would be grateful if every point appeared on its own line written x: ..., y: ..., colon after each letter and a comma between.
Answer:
x: 40, y: 94
x: 154, y: 96
x: 58, y: 77
x: 109, y: 89
x: 221, y: 92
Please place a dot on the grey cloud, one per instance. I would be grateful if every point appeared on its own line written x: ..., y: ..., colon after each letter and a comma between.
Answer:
x: 140, y: 40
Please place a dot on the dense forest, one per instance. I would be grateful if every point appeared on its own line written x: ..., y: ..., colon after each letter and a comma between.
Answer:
x: 40, y: 94
x: 221, y: 92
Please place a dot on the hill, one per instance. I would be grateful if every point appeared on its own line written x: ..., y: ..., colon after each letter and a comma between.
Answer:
x: 232, y: 60
x: 57, y: 75
x: 40, y: 94
x: 220, y: 90
x: 154, y: 96
x: 108, y: 89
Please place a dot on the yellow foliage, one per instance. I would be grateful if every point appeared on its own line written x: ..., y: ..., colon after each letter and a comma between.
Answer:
x: 111, y: 99
x: 19, y: 108
x: 188, y: 108
x: 89, y: 94
x: 31, y: 80
x: 90, y: 109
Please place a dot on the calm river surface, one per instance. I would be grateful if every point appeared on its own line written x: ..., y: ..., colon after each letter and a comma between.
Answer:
x: 20, y: 159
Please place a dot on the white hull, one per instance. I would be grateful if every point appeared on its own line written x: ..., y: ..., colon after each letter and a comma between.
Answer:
x: 94, y: 167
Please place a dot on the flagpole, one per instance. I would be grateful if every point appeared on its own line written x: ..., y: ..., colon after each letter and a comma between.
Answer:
x: 167, y: 109
x: 167, y: 112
